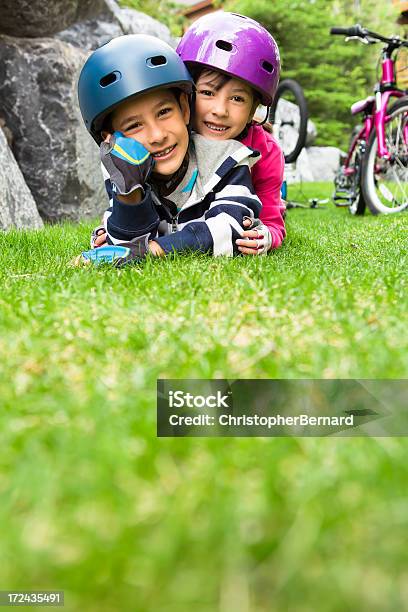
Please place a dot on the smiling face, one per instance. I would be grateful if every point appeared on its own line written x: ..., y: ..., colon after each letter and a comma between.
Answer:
x: 159, y: 122
x: 223, y: 107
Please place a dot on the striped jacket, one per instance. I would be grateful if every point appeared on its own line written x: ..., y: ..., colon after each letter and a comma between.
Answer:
x: 204, y: 213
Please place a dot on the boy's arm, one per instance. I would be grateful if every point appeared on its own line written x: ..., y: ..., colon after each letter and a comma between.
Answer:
x: 223, y: 224
x: 125, y: 221
x: 126, y: 166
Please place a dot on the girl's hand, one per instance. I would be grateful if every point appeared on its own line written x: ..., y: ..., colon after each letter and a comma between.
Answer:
x: 98, y: 237
x: 256, y: 240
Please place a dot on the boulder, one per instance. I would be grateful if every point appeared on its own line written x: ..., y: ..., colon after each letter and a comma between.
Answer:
x: 36, y: 18
x: 314, y: 164
x: 133, y: 22
x: 288, y: 112
x: 311, y: 133
x: 90, y: 34
x: 113, y: 21
x: 38, y: 100
x: 18, y: 208
x: 301, y: 170
x: 323, y: 162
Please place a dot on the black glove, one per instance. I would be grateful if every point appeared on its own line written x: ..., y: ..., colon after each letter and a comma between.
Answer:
x: 128, y: 163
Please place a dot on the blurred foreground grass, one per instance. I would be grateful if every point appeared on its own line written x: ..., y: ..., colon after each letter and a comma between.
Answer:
x: 93, y: 503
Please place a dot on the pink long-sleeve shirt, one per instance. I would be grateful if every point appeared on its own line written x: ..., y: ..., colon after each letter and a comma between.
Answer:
x: 267, y: 177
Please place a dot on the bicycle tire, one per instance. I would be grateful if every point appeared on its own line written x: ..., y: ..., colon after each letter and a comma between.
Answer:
x: 385, y: 182
x: 291, y: 150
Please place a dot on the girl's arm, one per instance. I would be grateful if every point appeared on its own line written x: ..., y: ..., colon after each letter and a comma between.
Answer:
x: 223, y: 221
x: 267, y: 177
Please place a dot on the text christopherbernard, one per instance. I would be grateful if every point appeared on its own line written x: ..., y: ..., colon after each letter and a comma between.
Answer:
x: 278, y: 420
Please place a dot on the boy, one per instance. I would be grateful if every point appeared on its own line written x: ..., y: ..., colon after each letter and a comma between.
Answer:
x: 133, y: 94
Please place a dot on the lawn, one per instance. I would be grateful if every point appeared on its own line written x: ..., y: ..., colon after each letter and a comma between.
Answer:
x: 93, y: 503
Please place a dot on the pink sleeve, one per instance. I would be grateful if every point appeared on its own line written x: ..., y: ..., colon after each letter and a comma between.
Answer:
x: 267, y: 177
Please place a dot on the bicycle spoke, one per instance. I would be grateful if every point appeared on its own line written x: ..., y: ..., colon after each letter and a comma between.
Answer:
x: 398, y: 179
x: 396, y: 188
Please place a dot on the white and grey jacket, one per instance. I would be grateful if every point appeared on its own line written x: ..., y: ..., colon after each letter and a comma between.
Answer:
x: 206, y: 210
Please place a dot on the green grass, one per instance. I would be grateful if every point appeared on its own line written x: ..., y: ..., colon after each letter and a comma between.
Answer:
x: 93, y: 503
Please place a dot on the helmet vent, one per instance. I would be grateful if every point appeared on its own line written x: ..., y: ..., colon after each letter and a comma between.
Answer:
x: 267, y: 66
x: 110, y: 78
x: 157, y: 60
x: 224, y: 45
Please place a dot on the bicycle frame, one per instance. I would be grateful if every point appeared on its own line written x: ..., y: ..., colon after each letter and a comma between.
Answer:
x: 363, y: 135
x: 382, y: 98
x: 378, y: 119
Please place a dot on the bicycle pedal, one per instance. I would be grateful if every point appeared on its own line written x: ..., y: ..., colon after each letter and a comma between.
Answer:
x: 342, y: 200
x: 345, y: 196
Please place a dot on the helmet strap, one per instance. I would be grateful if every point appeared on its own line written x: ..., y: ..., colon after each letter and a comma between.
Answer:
x: 268, y: 108
x: 166, y: 185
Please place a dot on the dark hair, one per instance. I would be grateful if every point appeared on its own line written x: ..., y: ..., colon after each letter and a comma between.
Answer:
x: 217, y: 81
x: 107, y: 124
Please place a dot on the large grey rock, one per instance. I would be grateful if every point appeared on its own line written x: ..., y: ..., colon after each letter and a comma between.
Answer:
x: 311, y: 133
x: 36, y: 18
x: 18, y: 208
x: 90, y: 34
x: 113, y: 21
x: 314, y: 164
x: 323, y: 162
x: 288, y: 113
x: 300, y: 170
x: 38, y: 99
x: 133, y: 22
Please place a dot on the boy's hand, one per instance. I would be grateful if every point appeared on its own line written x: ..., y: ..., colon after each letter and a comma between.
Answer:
x: 256, y: 240
x: 118, y: 255
x: 127, y: 161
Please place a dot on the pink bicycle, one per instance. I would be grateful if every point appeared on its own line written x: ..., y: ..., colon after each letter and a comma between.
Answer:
x: 375, y: 170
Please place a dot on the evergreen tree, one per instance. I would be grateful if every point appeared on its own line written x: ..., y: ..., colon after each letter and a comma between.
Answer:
x: 334, y: 74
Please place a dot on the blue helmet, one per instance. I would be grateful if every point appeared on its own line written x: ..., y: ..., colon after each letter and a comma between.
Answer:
x: 123, y: 67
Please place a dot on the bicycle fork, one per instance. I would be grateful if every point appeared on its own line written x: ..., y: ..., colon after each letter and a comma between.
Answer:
x: 381, y: 103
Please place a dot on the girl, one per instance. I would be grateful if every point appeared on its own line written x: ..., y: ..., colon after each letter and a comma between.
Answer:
x: 235, y: 64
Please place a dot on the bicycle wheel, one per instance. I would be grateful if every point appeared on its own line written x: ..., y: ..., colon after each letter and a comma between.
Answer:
x: 289, y: 116
x: 385, y: 181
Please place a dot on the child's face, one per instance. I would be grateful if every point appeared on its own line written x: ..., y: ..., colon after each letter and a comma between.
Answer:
x: 222, y: 112
x: 159, y: 122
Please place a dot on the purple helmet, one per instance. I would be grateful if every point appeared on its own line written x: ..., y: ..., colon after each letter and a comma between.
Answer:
x: 235, y: 45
